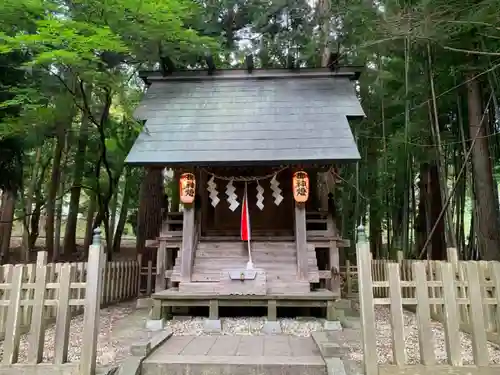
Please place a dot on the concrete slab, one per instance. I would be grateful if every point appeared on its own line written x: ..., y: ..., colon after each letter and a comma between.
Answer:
x: 335, y: 366
x: 200, y: 346
x: 155, y: 324
x: 332, y: 325
x: 277, y: 346
x: 251, y: 346
x: 236, y: 365
x: 225, y: 345
x: 236, y: 355
x: 144, y: 303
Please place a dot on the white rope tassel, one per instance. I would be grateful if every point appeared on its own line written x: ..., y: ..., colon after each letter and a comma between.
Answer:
x: 276, y: 191
x: 232, y: 198
x: 212, y: 189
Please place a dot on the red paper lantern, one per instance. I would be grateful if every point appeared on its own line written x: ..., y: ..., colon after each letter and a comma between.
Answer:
x: 187, y: 188
x: 300, y: 186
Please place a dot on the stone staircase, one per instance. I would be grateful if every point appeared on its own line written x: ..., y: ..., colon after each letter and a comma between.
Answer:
x: 277, y: 259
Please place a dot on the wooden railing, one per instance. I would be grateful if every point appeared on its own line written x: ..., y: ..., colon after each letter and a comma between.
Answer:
x: 119, y: 284
x: 462, y: 295
x: 380, y: 277
x: 34, y: 294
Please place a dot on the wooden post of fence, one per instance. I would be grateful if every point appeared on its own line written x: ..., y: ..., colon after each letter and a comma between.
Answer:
x: 95, y: 265
x: 139, y: 276
x: 452, y: 256
x: 399, y: 257
x: 37, y: 331
x: 348, y: 277
x: 368, y: 332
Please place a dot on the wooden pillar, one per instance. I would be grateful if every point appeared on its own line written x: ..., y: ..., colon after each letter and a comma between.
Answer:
x: 160, y: 266
x: 334, y: 267
x: 187, y: 242
x: 95, y: 265
x: 333, y: 254
x: 301, y: 240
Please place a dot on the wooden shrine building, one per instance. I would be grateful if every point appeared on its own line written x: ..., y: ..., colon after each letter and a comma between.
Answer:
x: 248, y: 147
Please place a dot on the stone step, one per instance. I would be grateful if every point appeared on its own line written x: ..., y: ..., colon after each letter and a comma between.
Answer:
x: 230, y: 355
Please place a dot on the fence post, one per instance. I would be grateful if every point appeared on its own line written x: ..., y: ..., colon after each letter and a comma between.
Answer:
x: 365, y: 286
x: 452, y: 256
x: 95, y: 266
x: 399, y: 257
x: 348, y: 277
x: 139, y: 276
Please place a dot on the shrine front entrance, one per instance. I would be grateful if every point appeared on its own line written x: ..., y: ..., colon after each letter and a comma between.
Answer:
x: 269, y: 220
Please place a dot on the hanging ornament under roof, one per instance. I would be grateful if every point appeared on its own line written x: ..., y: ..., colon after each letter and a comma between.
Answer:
x: 278, y: 197
x: 212, y: 189
x: 232, y: 198
x: 260, y: 196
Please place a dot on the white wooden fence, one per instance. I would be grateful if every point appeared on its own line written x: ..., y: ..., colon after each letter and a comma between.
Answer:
x: 454, y: 292
x: 34, y: 294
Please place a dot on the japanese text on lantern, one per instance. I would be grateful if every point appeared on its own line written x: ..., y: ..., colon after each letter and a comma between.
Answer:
x: 300, y: 186
x: 187, y: 189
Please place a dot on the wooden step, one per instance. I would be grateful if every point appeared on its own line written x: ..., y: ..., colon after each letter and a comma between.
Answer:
x: 219, y: 263
x: 255, y: 245
x: 296, y: 287
x: 237, y: 253
x: 315, y: 221
x: 198, y: 287
x: 313, y: 277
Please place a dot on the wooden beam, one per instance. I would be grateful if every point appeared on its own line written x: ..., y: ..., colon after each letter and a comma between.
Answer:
x: 301, y: 240
x: 187, y: 242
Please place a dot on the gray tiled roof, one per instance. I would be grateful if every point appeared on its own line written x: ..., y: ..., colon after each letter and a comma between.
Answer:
x: 247, y: 121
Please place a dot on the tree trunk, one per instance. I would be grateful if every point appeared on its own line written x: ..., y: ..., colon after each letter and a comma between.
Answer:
x: 50, y: 207
x: 76, y: 189
x: 60, y: 201
x: 149, y: 215
x: 438, y: 238
x: 28, y: 204
x: 123, y: 212
x: 89, y: 227
x: 485, y: 202
x: 6, y: 221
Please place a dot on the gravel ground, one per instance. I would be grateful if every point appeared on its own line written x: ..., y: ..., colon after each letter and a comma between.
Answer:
x: 122, y: 325
x: 384, y: 342
x: 245, y: 326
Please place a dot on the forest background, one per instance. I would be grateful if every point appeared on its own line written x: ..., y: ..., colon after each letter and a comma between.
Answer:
x: 430, y: 88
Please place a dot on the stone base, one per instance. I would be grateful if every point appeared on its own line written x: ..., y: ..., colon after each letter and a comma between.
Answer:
x: 332, y: 325
x: 155, y: 325
x: 271, y: 328
x: 144, y: 303
x: 212, y: 326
